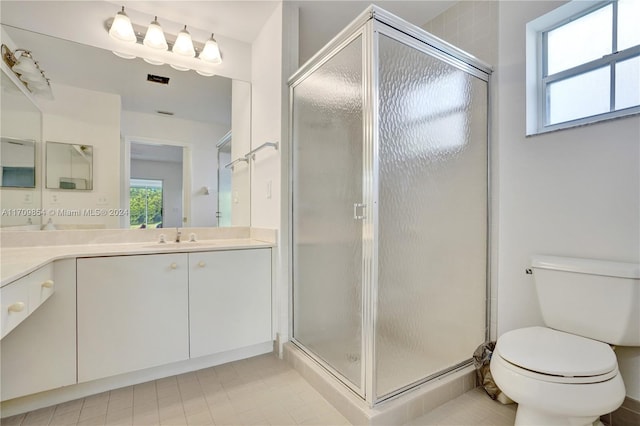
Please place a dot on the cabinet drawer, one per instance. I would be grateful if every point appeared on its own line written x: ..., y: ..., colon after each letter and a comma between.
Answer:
x: 23, y: 296
x: 15, y: 305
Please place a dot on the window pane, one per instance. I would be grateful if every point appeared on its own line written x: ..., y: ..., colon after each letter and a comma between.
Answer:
x: 580, y: 41
x: 628, y: 29
x: 628, y: 83
x: 580, y: 96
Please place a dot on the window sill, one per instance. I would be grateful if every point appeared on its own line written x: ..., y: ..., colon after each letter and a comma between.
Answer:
x: 587, y: 121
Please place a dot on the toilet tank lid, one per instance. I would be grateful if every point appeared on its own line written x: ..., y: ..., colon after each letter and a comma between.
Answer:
x: 587, y: 266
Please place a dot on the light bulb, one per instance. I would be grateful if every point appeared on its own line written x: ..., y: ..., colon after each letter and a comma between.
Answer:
x: 211, y: 51
x: 121, y: 28
x: 155, y: 36
x: 184, y: 45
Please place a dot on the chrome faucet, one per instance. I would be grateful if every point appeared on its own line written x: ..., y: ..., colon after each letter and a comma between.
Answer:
x: 178, y: 233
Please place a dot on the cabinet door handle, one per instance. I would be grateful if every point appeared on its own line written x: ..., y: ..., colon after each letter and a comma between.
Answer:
x: 16, y: 307
x: 174, y: 265
x: 202, y: 264
x: 47, y: 284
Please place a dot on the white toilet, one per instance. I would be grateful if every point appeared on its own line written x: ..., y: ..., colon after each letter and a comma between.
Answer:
x: 566, y: 373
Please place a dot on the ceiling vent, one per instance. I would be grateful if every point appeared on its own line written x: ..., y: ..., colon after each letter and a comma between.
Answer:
x: 157, y: 79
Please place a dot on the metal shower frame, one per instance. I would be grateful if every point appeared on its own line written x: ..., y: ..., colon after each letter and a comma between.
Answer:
x: 369, y: 25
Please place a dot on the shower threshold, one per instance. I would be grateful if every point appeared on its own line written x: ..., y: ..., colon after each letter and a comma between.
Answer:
x: 398, y: 410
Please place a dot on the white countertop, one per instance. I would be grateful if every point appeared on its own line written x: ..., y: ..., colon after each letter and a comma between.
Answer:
x: 17, y: 262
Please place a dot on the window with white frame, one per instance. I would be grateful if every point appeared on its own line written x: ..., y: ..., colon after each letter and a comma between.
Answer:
x: 587, y: 65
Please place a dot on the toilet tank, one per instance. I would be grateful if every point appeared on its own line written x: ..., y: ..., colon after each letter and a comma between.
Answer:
x: 591, y: 298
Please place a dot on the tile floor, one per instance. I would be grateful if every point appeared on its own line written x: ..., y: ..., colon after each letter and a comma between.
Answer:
x: 471, y: 408
x: 258, y: 391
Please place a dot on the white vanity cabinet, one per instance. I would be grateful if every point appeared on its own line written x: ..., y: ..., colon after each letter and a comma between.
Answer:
x: 40, y: 354
x: 133, y: 313
x: 229, y: 300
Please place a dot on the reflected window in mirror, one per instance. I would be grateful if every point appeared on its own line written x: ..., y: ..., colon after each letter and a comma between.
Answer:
x: 145, y: 201
x: 69, y: 166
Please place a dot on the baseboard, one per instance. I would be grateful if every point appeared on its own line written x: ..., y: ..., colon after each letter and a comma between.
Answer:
x: 81, y: 390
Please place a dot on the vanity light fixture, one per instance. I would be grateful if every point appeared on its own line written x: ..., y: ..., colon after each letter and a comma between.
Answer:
x: 155, y: 36
x: 184, y: 44
x: 28, y: 71
x: 120, y: 28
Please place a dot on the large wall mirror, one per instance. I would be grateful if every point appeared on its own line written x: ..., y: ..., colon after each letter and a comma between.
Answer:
x: 115, y: 104
x: 19, y: 155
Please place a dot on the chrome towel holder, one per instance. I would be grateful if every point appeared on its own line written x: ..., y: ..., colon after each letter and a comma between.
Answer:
x: 251, y: 154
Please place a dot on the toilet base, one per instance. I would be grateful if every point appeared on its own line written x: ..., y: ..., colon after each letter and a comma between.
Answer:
x: 527, y: 416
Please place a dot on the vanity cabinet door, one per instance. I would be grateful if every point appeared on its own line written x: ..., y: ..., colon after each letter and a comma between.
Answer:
x: 132, y: 313
x: 229, y: 300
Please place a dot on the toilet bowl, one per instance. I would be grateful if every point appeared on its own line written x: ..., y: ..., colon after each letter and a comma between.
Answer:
x: 565, y: 373
x: 557, y: 378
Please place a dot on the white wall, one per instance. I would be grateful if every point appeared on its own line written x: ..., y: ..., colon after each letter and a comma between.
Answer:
x: 266, y: 78
x: 471, y: 26
x: 269, y: 201
x: 200, y: 138
x: 574, y: 192
x: 86, y: 117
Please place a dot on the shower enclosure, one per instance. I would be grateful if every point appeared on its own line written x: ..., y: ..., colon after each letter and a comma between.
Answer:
x: 389, y: 184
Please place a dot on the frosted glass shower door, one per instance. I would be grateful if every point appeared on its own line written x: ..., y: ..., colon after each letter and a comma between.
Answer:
x: 327, y: 180
x: 432, y: 211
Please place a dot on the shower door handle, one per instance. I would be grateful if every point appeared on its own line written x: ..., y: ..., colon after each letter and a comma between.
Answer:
x: 358, y: 211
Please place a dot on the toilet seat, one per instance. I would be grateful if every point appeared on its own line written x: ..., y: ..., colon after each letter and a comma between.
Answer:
x: 553, y: 356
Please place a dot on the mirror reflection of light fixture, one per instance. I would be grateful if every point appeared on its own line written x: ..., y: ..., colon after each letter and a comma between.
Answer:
x: 184, y: 44
x: 123, y: 55
x: 121, y: 28
x: 178, y: 67
x: 211, y: 52
x: 155, y: 36
x: 28, y: 71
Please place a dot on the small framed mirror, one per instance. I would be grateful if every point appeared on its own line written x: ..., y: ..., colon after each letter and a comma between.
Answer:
x: 69, y: 166
x: 17, y: 163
